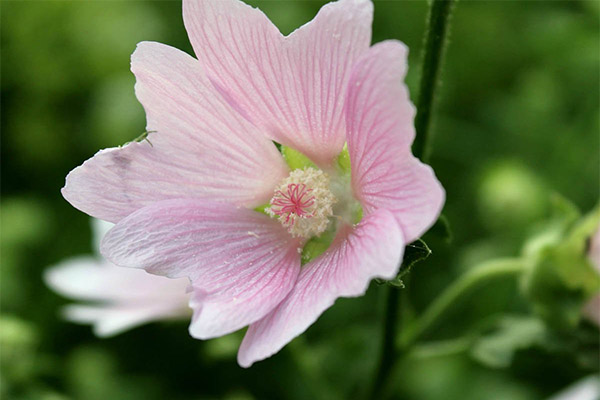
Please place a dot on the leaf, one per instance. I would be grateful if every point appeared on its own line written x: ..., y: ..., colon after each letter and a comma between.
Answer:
x: 564, y: 216
x: 511, y: 333
x: 442, y: 229
x: 414, y: 252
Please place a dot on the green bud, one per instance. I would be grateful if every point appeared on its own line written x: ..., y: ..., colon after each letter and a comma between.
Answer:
x: 560, y: 278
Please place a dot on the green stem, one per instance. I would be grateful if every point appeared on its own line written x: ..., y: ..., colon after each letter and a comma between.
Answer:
x: 388, y: 347
x: 439, y: 15
x: 464, y: 285
x: 436, y: 38
x: 442, y: 348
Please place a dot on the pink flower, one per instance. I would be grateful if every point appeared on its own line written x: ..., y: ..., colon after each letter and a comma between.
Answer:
x: 592, y: 308
x: 121, y: 298
x: 185, y: 205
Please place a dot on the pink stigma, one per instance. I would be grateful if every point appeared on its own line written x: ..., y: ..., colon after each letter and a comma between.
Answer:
x: 295, y: 201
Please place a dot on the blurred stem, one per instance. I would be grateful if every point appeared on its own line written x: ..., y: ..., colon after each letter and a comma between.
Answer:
x: 388, y: 346
x: 462, y: 286
x: 437, y: 27
x: 442, y: 348
x: 435, y: 41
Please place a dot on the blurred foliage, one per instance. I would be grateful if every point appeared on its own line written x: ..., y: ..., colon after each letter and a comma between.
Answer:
x: 517, y: 120
x: 561, y: 277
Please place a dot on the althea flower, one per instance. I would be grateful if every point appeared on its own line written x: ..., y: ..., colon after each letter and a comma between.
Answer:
x: 266, y: 243
x: 117, y: 298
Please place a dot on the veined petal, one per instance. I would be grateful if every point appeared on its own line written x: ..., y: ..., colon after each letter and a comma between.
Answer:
x: 379, y: 118
x: 198, y: 146
x: 292, y: 87
x: 241, y: 263
x: 372, y: 249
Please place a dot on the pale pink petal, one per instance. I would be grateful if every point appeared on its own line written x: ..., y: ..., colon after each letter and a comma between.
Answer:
x: 113, y: 319
x: 292, y: 87
x: 122, y: 298
x: 594, y: 252
x: 87, y: 278
x: 587, y: 388
x: 99, y: 229
x: 241, y: 263
x: 379, y: 118
x: 372, y: 249
x: 199, y: 146
x: 592, y: 309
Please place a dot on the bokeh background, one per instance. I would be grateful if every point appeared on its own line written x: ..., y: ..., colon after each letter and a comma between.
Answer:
x: 517, y: 120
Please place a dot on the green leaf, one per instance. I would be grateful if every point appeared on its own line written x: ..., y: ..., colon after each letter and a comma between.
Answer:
x: 497, y: 348
x: 564, y: 216
x: 414, y: 252
x: 295, y: 159
x: 442, y: 229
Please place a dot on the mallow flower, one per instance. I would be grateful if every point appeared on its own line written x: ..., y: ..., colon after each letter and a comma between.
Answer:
x: 114, y: 299
x: 277, y: 175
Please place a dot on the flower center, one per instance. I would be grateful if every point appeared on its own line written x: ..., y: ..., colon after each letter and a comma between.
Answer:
x: 303, y: 202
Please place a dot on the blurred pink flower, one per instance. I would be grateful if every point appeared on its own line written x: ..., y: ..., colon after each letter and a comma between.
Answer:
x: 184, y: 206
x: 592, y: 308
x: 119, y: 298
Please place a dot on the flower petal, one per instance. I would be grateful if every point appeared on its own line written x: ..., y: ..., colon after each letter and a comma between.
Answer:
x: 592, y: 310
x: 292, y: 87
x: 111, y: 320
x: 126, y: 297
x: 99, y: 229
x: 241, y: 263
x: 379, y: 117
x: 372, y: 249
x: 86, y: 278
x: 198, y: 146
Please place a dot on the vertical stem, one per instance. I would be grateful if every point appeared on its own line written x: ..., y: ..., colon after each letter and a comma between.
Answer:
x: 437, y: 29
x: 435, y: 40
x: 388, y: 348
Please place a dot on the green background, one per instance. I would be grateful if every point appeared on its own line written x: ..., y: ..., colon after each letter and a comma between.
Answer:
x: 517, y: 120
